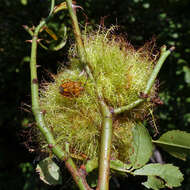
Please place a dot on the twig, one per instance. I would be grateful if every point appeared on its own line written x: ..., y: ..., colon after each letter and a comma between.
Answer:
x: 52, y: 7
x: 80, y: 45
x: 31, y: 34
x: 38, y: 114
x: 163, y: 55
x: 106, y: 134
x: 105, y: 148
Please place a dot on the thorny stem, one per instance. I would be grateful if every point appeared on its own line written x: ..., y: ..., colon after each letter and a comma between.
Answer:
x: 163, y: 55
x: 76, y: 29
x: 52, y: 7
x: 106, y: 135
x: 38, y: 114
x: 31, y: 34
x: 78, y: 37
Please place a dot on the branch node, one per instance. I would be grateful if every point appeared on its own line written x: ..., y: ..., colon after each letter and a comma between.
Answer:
x: 50, y: 146
x: 44, y: 112
x: 111, y: 110
x: 38, y: 40
x: 82, y: 170
x: 35, y: 81
x: 143, y: 95
x: 163, y: 48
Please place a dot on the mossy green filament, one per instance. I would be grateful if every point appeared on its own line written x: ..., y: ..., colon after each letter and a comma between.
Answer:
x: 121, y: 73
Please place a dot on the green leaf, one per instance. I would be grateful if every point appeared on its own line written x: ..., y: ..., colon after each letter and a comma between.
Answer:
x: 141, y: 148
x: 176, y: 143
x: 49, y: 172
x: 60, y: 7
x: 119, y: 166
x: 91, y: 165
x: 186, y: 70
x: 114, y: 164
x: 63, y: 41
x: 24, y: 2
x: 25, y: 59
x: 154, y: 183
x: 169, y: 173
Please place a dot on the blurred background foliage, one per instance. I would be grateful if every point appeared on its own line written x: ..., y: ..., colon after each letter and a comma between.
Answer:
x: 168, y: 21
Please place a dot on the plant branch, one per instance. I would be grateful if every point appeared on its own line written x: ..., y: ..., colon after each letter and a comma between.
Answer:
x: 39, y: 117
x: 105, y: 148
x: 163, y: 55
x: 52, y: 7
x: 106, y: 134
x: 31, y: 34
x: 77, y: 33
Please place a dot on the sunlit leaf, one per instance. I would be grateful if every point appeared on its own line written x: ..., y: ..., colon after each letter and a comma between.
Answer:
x: 169, y: 173
x: 175, y: 142
x: 91, y: 165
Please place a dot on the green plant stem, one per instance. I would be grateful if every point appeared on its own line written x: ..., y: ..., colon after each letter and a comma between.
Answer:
x: 28, y: 30
x: 106, y: 134
x: 52, y: 7
x: 31, y: 34
x: 34, y: 92
x: 78, y: 37
x: 38, y: 113
x: 77, y: 33
x: 39, y: 117
x: 163, y: 55
x: 105, y: 148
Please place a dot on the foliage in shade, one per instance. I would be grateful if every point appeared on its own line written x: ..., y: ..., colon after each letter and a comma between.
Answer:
x: 121, y: 74
x: 141, y: 148
x: 154, y: 183
x: 49, y: 172
x: 187, y: 74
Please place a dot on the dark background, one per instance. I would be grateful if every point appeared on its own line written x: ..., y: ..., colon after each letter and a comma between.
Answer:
x: 168, y: 21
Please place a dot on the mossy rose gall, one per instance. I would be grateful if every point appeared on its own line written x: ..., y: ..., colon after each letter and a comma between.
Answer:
x: 71, y: 102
